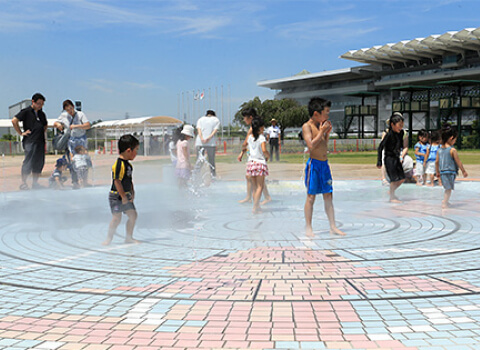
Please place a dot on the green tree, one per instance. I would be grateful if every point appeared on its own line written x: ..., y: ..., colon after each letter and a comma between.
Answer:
x: 288, y: 113
x: 7, y: 137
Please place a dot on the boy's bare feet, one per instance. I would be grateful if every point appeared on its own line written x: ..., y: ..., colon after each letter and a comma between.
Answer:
x: 419, y: 184
x: 266, y: 200
x: 131, y: 240
x: 107, y: 241
x: 395, y: 199
x: 257, y: 210
x: 309, y: 232
x: 337, y: 231
x: 445, y: 205
x: 245, y: 200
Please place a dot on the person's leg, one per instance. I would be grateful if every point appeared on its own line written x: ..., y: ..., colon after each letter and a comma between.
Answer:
x: 27, y: 164
x: 258, y: 182
x: 248, y: 198
x: 308, y: 212
x: 330, y: 211
x: 38, y: 162
x: 393, y: 187
x: 272, y: 147
x: 116, y: 219
x: 446, y: 198
x: 211, y: 159
x: 132, y: 219
x: 266, y: 195
x: 277, y: 149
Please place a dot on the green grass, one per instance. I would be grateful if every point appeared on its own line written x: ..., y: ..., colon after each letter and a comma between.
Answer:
x: 468, y: 157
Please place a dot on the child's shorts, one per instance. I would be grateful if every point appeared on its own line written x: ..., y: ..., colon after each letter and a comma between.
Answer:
x: 419, y: 168
x: 448, y: 180
x: 430, y: 168
x: 318, y: 177
x: 256, y: 169
x: 116, y: 205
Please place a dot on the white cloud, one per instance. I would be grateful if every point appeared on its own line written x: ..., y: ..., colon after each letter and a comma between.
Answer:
x: 113, y: 87
x: 341, y: 28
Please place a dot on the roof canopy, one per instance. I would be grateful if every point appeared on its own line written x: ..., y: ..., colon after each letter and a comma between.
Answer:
x: 450, y: 43
x: 138, y: 122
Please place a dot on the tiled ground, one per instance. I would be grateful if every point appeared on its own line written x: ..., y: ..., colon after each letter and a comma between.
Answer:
x: 208, y: 274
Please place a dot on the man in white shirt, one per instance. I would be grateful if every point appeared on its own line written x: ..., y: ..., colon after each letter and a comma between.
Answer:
x: 273, y: 137
x: 78, y: 124
x: 207, y: 127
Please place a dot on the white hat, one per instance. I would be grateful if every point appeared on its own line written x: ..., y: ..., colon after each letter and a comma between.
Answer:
x: 188, y: 130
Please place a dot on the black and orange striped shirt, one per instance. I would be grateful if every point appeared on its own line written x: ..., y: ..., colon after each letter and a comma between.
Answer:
x: 122, y: 170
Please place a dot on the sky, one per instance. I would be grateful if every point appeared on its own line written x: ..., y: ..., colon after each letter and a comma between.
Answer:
x: 150, y: 57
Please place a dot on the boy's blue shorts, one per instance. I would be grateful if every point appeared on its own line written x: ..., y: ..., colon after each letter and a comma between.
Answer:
x: 318, y: 178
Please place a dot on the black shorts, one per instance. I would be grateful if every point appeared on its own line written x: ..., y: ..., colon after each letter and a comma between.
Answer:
x: 116, y: 205
x: 34, y: 158
x: 394, y: 168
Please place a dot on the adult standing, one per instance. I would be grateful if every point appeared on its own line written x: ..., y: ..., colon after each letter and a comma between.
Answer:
x: 273, y: 137
x: 34, y: 126
x: 78, y: 124
x: 207, y: 128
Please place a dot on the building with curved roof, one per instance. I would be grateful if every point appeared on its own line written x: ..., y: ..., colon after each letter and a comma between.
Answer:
x: 439, y: 74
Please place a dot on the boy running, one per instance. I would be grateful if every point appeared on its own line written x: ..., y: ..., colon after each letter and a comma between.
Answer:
x: 318, y: 178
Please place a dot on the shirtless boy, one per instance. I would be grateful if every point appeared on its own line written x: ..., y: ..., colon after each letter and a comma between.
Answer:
x: 318, y: 178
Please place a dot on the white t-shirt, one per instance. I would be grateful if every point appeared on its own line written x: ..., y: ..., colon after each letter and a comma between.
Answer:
x: 274, y: 132
x: 182, y: 160
x: 207, y: 125
x: 80, y: 161
x: 255, y: 148
x: 78, y: 119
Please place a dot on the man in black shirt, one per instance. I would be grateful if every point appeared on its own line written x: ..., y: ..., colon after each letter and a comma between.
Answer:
x: 34, y: 126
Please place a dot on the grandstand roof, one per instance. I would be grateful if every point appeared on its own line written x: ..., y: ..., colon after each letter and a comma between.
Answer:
x: 450, y: 43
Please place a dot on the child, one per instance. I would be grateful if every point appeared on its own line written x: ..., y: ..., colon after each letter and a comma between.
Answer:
x: 318, y: 178
x: 257, y: 161
x: 420, y: 151
x: 81, y: 161
x: 393, y: 145
x: 448, y: 163
x: 431, y: 157
x: 183, y: 168
x: 56, y: 180
x: 122, y: 192
x: 249, y: 114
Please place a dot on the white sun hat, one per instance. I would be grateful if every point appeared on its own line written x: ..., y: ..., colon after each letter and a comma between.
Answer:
x: 188, y: 130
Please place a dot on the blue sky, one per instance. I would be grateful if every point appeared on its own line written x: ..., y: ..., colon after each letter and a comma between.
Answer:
x: 138, y: 56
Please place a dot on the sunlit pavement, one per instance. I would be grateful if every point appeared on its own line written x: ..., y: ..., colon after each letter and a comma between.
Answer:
x: 209, y: 274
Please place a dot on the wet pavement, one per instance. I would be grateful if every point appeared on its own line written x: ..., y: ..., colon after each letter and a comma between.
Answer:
x: 209, y: 274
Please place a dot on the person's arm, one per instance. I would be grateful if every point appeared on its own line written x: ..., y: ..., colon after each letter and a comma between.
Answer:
x: 437, y: 164
x: 454, y: 154
x: 322, y: 135
x: 84, y: 126
x: 120, y: 190
x: 380, y: 151
x: 426, y: 156
x: 200, y: 135
x: 58, y: 125
x: 19, y: 131
x: 266, y: 154
x: 244, y: 145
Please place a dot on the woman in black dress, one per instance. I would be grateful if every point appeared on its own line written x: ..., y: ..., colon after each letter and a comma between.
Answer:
x: 392, y: 144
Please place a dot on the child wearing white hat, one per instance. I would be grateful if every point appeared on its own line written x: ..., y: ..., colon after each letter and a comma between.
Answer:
x: 183, y: 169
